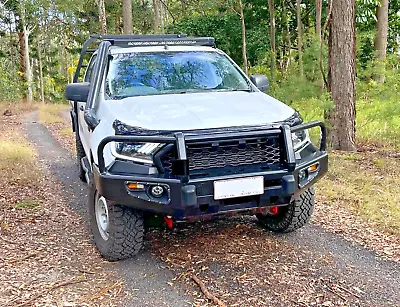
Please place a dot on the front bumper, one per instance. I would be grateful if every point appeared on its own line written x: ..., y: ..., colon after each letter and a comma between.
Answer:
x: 186, y: 198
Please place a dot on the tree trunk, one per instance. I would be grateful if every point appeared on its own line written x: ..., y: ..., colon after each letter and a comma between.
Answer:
x: 286, y: 36
x: 318, y: 33
x: 41, y: 70
x: 28, y: 67
x: 381, y: 38
x: 21, y: 52
x: 10, y: 29
x: 342, y: 75
x: 299, y: 36
x: 244, y: 48
x: 156, y: 16
x: 127, y: 16
x: 162, y: 18
x: 167, y: 13
x: 27, y: 63
x: 318, y: 18
x: 102, y: 16
x: 271, y: 5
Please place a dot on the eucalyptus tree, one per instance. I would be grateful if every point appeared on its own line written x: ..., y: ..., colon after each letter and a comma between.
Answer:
x: 127, y: 16
x: 271, y: 6
x: 342, y: 75
x: 381, y: 38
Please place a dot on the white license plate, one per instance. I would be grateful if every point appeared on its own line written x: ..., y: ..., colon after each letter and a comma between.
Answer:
x: 241, y: 187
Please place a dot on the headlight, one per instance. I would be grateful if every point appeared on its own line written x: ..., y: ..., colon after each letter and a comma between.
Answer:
x: 138, y: 152
x: 300, y: 138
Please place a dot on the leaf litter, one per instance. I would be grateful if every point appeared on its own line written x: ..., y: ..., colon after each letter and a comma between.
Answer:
x: 47, y: 258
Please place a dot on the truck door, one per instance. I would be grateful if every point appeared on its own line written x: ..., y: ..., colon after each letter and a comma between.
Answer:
x: 84, y: 133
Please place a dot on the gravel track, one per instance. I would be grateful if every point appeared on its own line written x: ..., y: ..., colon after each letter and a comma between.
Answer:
x: 146, y: 275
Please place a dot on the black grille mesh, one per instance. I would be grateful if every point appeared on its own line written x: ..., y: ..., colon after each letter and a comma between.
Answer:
x: 206, y: 156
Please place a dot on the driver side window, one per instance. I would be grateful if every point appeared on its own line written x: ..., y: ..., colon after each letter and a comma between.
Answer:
x: 89, y: 70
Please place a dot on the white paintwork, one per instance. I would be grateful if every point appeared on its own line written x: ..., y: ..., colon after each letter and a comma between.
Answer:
x: 182, y: 111
x: 198, y: 110
x: 241, y: 187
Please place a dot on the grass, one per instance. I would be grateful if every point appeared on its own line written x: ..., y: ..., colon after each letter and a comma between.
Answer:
x: 17, y: 160
x: 50, y: 113
x: 367, y: 185
x: 27, y: 204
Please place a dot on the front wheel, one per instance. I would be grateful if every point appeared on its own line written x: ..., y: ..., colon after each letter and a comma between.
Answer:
x: 117, y: 230
x: 291, y: 217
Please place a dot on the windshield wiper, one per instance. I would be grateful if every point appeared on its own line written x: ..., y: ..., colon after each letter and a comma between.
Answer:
x: 233, y: 90
x: 242, y: 90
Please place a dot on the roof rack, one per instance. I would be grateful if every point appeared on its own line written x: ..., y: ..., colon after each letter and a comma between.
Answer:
x: 126, y: 41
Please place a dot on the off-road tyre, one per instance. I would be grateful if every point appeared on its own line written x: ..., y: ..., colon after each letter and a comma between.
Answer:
x: 291, y: 217
x: 80, y: 154
x: 125, y: 230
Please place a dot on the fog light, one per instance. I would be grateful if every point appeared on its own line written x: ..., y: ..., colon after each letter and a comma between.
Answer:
x: 135, y: 186
x: 302, y: 175
x: 157, y: 191
x: 313, y: 167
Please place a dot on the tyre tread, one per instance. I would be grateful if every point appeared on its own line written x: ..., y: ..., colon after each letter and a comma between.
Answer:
x: 297, y: 215
x: 126, y: 230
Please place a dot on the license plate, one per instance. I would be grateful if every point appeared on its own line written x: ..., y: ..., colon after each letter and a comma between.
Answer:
x: 241, y: 187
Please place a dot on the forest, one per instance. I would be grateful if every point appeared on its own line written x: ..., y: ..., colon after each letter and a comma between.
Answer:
x: 297, y: 44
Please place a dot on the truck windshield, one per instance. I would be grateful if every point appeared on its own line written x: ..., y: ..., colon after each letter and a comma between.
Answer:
x: 142, y: 74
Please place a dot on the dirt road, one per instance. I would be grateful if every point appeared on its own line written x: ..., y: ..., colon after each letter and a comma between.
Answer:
x: 239, y: 262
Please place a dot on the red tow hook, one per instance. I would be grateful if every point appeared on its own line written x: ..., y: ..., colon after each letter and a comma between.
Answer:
x: 274, y: 210
x: 169, y: 222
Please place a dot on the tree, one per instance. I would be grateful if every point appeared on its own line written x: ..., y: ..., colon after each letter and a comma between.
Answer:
x: 342, y: 76
x: 318, y: 18
x: 102, y: 16
x: 27, y: 30
x: 39, y: 50
x: 271, y: 5
x: 156, y: 16
x: 127, y: 16
x: 318, y: 32
x: 299, y: 36
x: 244, y: 50
x: 381, y: 38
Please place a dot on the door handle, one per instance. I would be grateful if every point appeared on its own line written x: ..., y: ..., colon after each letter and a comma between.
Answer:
x: 81, y: 108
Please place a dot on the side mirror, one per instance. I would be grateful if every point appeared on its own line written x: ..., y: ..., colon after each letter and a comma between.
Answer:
x: 77, y: 91
x: 261, y: 82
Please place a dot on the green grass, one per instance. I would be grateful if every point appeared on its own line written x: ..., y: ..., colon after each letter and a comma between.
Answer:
x: 27, y: 204
x: 377, y: 121
x: 367, y: 185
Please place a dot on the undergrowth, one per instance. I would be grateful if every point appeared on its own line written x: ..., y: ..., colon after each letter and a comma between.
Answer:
x: 17, y: 161
x: 368, y: 185
x: 377, y: 105
x: 50, y: 113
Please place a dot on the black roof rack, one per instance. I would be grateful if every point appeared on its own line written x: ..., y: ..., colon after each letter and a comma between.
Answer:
x: 126, y: 41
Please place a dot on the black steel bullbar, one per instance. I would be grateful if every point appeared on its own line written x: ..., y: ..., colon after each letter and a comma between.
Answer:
x: 180, y: 139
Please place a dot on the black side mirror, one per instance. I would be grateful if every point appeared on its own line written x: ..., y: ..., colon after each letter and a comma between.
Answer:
x: 77, y: 91
x: 261, y: 82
